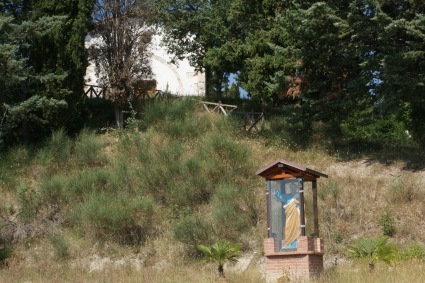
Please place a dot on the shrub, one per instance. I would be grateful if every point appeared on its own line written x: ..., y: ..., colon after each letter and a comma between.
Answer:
x: 415, y: 251
x: 174, y: 110
x: 87, y: 182
x: 5, y: 254
x: 224, y: 158
x: 225, y: 149
x: 373, y: 128
x: 230, y: 218
x: 57, y: 149
x: 88, y: 149
x: 114, y: 216
x: 52, y: 190
x: 60, y: 246
x: 120, y: 176
x: 330, y: 189
x: 280, y: 130
x: 176, y: 118
x: 145, y: 206
x: 189, y: 128
x: 192, y: 230
x: 404, y: 189
x: 28, y: 201
x: 182, y: 195
x: 101, y: 215
x: 387, y: 224
x: 338, y: 236
x: 12, y: 163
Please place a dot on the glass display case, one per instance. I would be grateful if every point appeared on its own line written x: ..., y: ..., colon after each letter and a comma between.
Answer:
x: 284, y: 213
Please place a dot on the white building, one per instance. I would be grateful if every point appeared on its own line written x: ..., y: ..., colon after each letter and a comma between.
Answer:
x: 178, y: 79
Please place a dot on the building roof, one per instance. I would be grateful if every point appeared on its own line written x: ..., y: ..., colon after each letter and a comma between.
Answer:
x: 281, y: 167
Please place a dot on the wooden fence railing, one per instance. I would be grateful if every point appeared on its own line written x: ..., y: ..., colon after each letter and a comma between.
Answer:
x: 94, y: 91
x: 250, y: 119
x: 155, y: 94
x: 225, y: 109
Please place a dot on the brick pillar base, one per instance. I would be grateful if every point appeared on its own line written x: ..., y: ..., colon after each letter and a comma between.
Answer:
x: 307, y: 261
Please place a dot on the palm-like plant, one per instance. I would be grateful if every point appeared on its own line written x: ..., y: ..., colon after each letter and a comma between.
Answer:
x: 221, y: 252
x: 374, y: 250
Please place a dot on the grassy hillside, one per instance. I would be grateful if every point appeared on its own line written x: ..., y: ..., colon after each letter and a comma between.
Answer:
x: 132, y: 205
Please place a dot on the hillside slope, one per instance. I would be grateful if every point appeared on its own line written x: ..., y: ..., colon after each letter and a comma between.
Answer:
x: 141, y: 200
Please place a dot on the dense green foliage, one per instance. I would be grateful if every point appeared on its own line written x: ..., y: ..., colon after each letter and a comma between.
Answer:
x: 356, y: 66
x: 335, y: 60
x: 43, y: 62
x: 219, y: 37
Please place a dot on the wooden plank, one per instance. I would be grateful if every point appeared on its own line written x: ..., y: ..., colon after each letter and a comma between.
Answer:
x: 222, y: 110
x: 93, y: 93
x: 315, y: 209
x: 302, y: 213
x: 255, y: 122
x: 218, y: 107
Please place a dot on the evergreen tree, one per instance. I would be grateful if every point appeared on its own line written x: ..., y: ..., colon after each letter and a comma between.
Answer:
x: 62, y: 52
x: 337, y: 60
x: 355, y: 55
x: 403, y: 70
x: 43, y: 62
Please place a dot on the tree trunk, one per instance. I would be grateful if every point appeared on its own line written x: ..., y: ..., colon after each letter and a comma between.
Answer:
x: 119, y: 117
x: 221, y: 271
x: 207, y: 81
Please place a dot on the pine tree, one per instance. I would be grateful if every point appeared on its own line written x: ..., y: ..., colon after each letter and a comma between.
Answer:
x: 42, y: 72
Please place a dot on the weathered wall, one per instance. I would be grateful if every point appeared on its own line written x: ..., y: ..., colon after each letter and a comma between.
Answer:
x: 178, y: 79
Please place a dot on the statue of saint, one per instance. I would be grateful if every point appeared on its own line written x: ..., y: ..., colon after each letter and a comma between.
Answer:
x: 289, y: 196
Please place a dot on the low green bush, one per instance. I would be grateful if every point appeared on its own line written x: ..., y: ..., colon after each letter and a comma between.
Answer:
x: 13, y: 162
x: 168, y: 109
x: 370, y: 127
x: 57, y: 150
x: 415, y: 251
x: 114, y: 216
x: 5, y: 254
x: 28, y: 201
x: 60, y: 246
x: 387, y: 224
x: 224, y: 148
x: 86, y: 182
x: 178, y: 118
x: 192, y: 230
x: 229, y: 216
x: 103, y: 214
x: 88, y: 149
x: 53, y: 189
